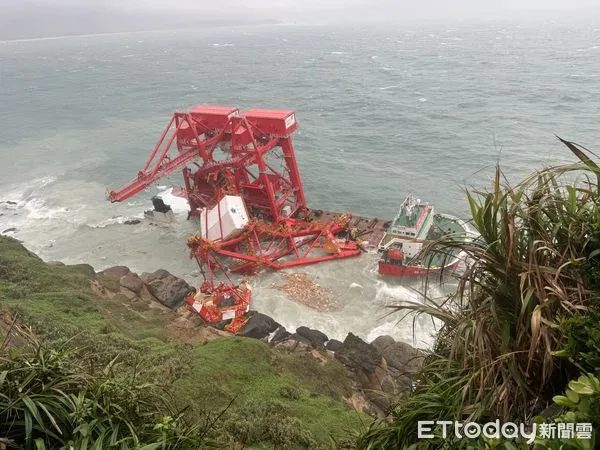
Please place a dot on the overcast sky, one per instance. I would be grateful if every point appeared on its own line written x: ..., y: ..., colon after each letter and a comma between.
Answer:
x: 31, y: 18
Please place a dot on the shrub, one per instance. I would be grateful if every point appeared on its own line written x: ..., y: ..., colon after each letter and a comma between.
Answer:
x: 255, y: 423
x: 581, y: 336
x: 49, y: 400
x: 528, y: 269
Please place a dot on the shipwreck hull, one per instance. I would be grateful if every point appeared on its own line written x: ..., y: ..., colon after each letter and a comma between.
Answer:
x: 394, y: 270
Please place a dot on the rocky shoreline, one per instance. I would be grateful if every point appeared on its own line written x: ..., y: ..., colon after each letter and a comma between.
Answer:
x: 380, y: 370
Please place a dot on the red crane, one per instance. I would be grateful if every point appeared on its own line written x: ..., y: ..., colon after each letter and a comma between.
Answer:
x: 246, y: 160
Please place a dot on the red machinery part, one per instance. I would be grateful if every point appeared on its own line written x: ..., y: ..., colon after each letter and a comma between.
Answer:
x: 286, y: 244
x: 210, y: 303
x: 222, y: 152
x: 395, y: 254
x: 250, y: 146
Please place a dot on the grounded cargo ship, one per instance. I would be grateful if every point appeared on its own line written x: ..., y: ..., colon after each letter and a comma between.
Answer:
x: 412, y: 229
x: 243, y: 184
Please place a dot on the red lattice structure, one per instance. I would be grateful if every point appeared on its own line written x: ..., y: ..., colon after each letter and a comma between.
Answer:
x: 251, y: 155
x: 228, y: 153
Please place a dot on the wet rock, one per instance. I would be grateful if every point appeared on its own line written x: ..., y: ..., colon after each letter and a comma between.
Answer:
x: 132, y: 222
x: 281, y: 334
x: 299, y: 338
x: 357, y: 354
x: 9, y: 230
x: 403, y: 360
x: 160, y: 205
x: 315, y: 337
x: 10, y: 202
x: 132, y: 282
x: 258, y: 326
x: 334, y: 345
x: 292, y: 345
x: 369, y: 370
x: 167, y: 288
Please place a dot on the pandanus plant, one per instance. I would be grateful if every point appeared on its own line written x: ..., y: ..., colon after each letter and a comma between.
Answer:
x: 535, y: 262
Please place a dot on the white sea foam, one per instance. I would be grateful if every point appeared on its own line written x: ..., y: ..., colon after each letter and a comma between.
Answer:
x: 37, y: 209
x: 420, y: 337
x: 400, y: 292
x: 116, y: 220
x: 179, y: 205
x: 412, y: 329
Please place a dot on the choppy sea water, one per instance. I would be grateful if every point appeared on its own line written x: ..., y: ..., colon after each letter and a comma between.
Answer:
x: 382, y: 110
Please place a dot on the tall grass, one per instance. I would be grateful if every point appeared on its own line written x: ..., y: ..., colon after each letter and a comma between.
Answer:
x: 49, y: 399
x: 533, y: 264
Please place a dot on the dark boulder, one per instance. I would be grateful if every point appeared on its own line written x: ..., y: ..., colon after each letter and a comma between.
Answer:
x: 281, y: 334
x: 258, y: 326
x: 334, y: 345
x: 403, y: 360
x: 357, y: 354
x: 315, y: 337
x: 160, y: 205
x: 295, y: 343
x: 167, y: 288
x: 299, y: 338
x: 369, y: 371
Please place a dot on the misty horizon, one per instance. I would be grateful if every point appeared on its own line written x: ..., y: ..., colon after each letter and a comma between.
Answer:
x: 35, y: 18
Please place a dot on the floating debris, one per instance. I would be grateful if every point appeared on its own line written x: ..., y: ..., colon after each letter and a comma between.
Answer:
x: 300, y: 288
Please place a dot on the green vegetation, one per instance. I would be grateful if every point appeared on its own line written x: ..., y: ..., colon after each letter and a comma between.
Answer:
x: 520, y: 342
x: 50, y: 399
x: 90, y: 359
x: 523, y: 322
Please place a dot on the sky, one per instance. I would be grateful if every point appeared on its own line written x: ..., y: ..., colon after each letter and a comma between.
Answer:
x: 38, y: 18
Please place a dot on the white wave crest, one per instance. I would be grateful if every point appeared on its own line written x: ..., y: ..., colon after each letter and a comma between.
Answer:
x: 178, y: 204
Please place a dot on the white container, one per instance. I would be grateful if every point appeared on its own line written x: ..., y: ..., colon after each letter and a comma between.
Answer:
x: 231, y: 221
x: 411, y: 249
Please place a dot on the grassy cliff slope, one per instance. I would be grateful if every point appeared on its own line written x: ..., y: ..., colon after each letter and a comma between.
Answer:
x: 277, y: 399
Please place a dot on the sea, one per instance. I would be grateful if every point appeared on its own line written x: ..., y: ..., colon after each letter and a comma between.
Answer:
x: 383, y: 110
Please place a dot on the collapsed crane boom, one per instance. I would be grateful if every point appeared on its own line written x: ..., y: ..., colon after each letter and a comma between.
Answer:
x: 241, y: 178
x: 250, y: 144
x: 161, y: 163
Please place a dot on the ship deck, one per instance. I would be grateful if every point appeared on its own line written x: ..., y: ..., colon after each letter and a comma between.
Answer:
x: 369, y: 228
